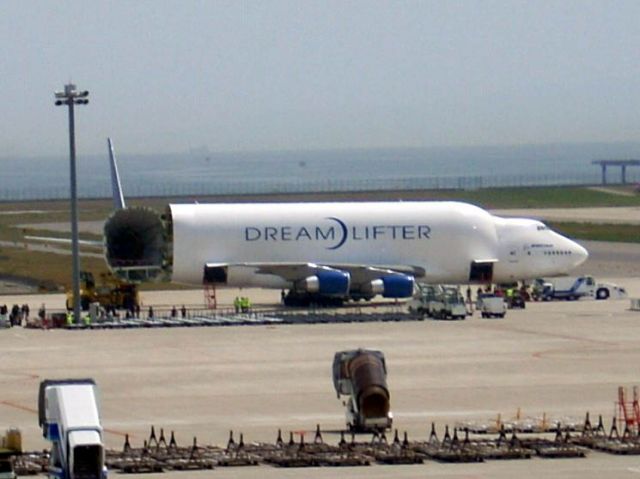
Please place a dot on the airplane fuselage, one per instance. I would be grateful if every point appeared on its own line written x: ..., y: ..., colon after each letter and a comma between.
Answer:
x: 263, y: 244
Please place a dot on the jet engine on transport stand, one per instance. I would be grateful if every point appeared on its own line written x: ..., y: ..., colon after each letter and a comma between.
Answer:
x: 361, y: 374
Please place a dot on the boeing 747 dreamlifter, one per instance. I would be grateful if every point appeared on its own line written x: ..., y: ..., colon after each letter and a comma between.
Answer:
x: 343, y: 250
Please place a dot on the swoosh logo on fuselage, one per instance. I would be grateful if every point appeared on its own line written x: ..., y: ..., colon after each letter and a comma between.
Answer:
x: 343, y: 228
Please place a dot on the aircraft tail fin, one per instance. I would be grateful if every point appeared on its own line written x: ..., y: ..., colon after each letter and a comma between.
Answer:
x: 116, y: 187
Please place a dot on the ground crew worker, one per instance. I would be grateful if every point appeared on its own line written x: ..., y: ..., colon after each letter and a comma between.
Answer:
x: 236, y: 304
x: 150, y: 312
x: 247, y: 305
x: 69, y: 318
x: 87, y: 319
x: 183, y: 311
x: 174, y: 312
x: 244, y: 304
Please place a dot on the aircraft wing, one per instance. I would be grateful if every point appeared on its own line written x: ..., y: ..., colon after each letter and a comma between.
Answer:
x: 294, y: 271
x: 65, y: 241
x: 349, y: 277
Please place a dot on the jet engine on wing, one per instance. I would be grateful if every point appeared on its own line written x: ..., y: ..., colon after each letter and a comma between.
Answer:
x: 329, y: 282
x: 392, y: 286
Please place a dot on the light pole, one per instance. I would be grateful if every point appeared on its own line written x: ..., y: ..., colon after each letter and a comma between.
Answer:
x: 70, y: 97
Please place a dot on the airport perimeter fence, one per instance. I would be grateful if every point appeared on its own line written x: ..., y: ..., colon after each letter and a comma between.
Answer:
x: 100, y: 188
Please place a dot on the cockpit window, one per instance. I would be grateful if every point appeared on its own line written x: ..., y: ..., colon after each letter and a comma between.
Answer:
x: 542, y: 228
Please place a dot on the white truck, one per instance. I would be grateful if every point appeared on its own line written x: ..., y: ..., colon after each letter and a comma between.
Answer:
x: 69, y: 418
x: 491, y: 306
x: 572, y: 288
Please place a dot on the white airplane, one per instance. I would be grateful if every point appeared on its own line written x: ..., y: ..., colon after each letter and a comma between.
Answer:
x: 341, y: 250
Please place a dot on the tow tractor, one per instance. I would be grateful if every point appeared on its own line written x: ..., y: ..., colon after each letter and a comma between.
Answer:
x: 68, y: 416
x: 361, y: 374
x: 572, y: 288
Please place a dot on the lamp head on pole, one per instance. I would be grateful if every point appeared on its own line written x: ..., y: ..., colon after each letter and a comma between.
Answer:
x: 71, y: 96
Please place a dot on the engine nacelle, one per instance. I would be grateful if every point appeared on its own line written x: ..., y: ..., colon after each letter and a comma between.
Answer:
x: 327, y: 282
x: 392, y: 286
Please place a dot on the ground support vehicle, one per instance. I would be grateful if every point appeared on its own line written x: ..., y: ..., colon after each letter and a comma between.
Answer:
x: 491, y: 306
x: 515, y: 301
x: 111, y: 292
x: 69, y: 418
x: 361, y: 375
x: 421, y: 303
x: 448, y: 304
x: 572, y: 288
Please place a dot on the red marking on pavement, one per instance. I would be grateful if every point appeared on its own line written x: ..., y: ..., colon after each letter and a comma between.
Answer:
x: 19, y: 406
x: 35, y: 411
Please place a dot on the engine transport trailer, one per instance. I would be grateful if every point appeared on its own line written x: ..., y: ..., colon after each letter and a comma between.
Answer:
x: 572, y: 288
x: 361, y: 374
x: 69, y: 418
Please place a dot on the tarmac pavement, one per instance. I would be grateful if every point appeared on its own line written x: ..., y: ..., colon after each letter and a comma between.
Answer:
x: 560, y: 359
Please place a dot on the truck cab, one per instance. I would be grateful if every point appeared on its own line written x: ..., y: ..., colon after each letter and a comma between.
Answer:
x: 69, y: 418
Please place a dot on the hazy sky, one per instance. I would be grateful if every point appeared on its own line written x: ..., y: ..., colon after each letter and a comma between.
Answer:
x: 269, y: 75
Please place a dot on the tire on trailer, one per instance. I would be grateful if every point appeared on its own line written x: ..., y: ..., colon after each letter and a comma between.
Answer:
x: 602, y: 293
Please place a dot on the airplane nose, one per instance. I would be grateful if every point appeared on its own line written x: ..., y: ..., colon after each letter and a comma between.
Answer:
x: 579, y: 253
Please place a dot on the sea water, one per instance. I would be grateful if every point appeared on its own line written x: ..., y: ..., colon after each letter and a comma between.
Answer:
x: 200, y: 172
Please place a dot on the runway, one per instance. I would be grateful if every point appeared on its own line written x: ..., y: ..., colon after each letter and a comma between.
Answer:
x: 560, y: 358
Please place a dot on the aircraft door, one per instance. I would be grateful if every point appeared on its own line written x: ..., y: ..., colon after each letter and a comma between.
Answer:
x: 215, y: 274
x: 481, y: 272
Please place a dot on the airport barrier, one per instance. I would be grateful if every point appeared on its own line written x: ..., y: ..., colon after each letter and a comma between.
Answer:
x: 457, y: 445
x: 635, y: 304
x: 163, y: 318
